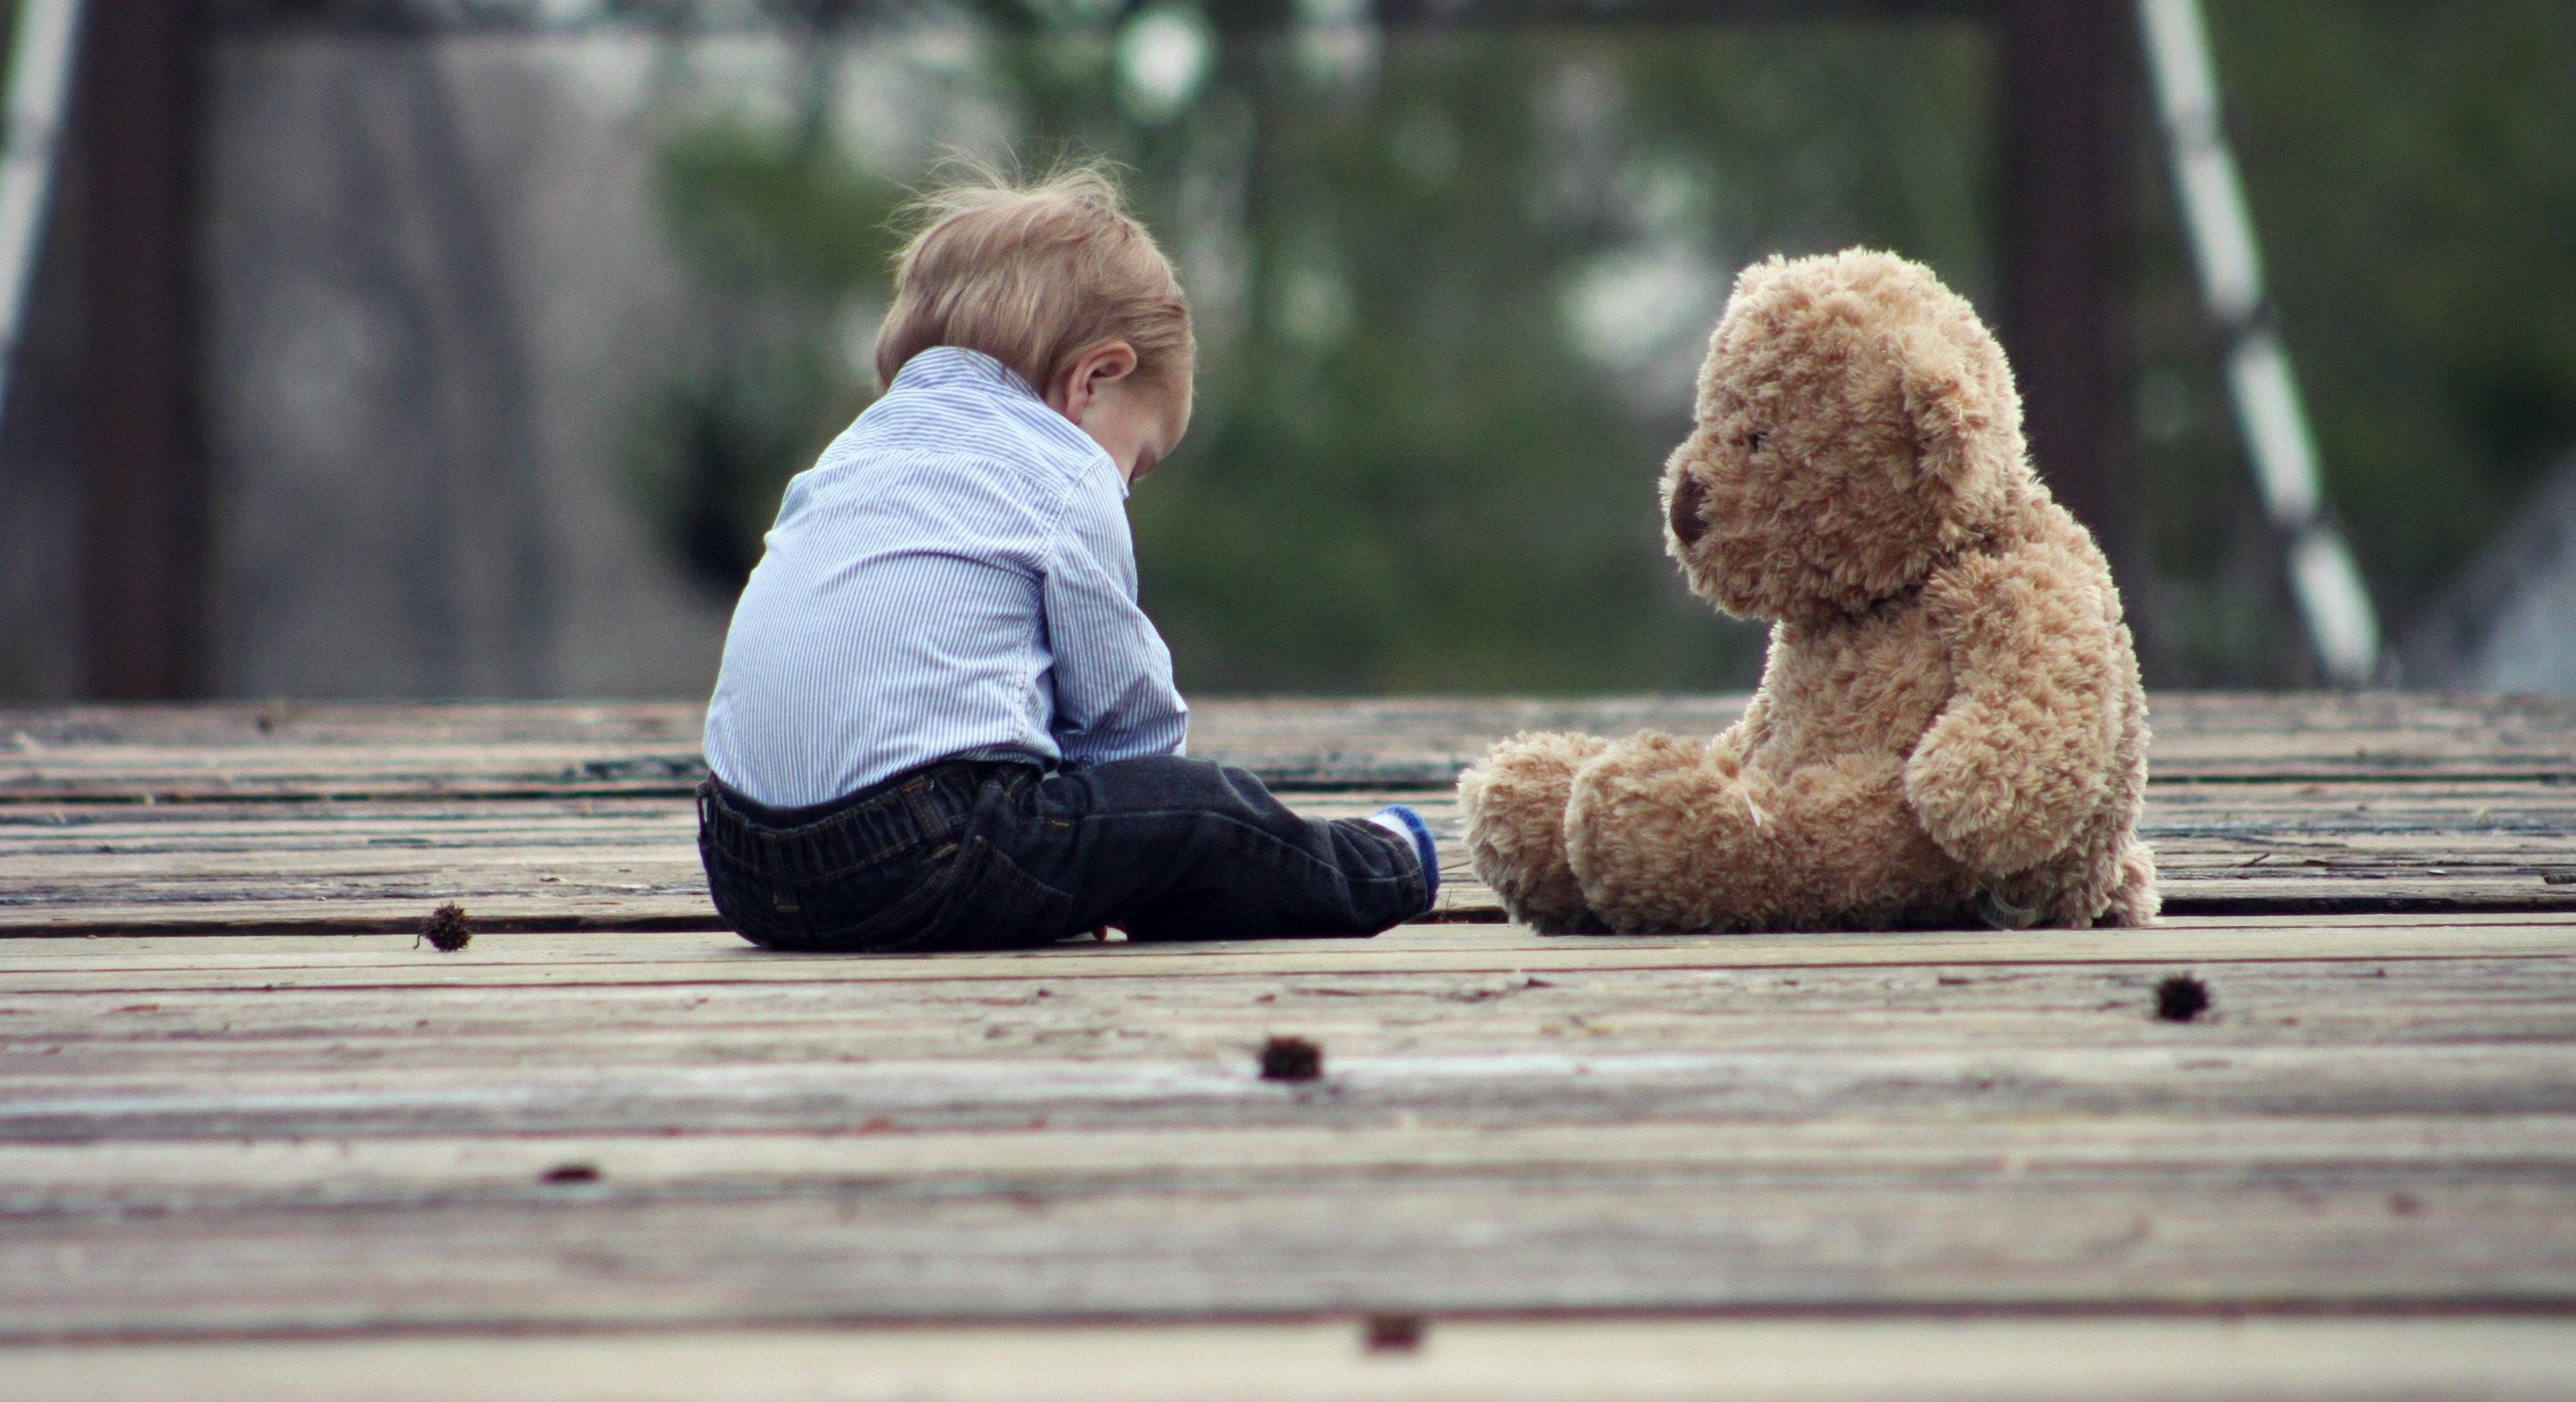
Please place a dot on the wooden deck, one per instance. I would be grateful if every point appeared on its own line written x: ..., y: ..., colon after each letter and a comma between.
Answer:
x: 254, y: 1142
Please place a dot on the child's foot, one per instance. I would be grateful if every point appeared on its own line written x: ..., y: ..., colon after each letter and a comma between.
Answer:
x: 1399, y: 819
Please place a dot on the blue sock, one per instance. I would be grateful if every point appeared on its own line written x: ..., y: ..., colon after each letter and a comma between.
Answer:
x: 1397, y: 818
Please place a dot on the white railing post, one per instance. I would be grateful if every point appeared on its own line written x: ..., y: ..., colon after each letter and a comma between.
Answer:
x: 40, y: 62
x: 2333, y: 602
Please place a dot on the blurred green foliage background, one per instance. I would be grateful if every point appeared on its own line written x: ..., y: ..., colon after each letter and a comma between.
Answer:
x: 1452, y: 290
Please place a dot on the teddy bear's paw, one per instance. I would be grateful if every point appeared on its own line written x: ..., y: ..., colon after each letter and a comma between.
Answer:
x: 1660, y: 840
x: 1547, y: 898
x: 1514, y: 803
x: 2135, y: 901
x: 1581, y: 922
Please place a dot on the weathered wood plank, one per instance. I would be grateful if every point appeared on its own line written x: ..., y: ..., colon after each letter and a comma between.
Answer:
x: 268, y: 965
x: 540, y: 749
x: 62, y: 1041
x: 1568, y: 1081
x: 1622, y: 1042
x: 171, y: 1176
x: 631, y: 864
x: 1517, y: 1241
x: 2379, y: 1359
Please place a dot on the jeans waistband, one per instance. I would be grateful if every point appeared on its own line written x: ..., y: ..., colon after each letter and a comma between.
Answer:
x: 927, y: 805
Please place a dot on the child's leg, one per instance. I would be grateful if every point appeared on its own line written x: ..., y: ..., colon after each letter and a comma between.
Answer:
x: 1171, y: 848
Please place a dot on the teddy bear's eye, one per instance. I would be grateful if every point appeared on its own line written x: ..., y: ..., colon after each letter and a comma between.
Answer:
x: 1753, y: 440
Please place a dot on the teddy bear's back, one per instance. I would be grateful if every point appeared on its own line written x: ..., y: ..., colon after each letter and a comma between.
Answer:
x: 2105, y: 872
x: 1871, y: 685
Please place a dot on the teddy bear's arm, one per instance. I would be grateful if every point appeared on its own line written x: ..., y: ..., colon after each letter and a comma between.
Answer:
x: 1750, y: 732
x: 2011, y: 767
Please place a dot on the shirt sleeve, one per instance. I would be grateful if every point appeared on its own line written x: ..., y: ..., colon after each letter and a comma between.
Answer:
x: 1114, y: 695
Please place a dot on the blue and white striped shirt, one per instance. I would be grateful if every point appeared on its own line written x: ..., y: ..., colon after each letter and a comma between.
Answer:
x: 953, y: 576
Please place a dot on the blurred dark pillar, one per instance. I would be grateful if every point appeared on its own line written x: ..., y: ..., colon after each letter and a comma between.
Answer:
x: 143, y: 461
x: 2069, y: 76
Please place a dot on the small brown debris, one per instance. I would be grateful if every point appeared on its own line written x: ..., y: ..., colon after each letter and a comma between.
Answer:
x: 1483, y: 995
x: 1291, y: 1059
x: 447, y: 930
x: 1392, y: 1333
x: 571, y: 1173
x: 2181, y: 998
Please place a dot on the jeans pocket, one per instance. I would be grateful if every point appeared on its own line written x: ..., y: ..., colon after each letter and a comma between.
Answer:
x: 853, y: 908
x: 877, y: 907
x: 998, y: 905
x: 744, y: 900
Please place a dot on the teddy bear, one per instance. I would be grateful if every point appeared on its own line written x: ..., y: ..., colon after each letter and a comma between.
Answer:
x: 1949, y: 728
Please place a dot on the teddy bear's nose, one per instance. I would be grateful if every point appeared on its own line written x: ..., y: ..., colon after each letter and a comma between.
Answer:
x: 1688, y: 524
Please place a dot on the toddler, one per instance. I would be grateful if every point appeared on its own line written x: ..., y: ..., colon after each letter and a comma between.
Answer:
x: 942, y: 721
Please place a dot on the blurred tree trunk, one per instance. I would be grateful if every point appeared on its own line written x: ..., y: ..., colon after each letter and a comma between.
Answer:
x: 2070, y: 99
x: 143, y: 458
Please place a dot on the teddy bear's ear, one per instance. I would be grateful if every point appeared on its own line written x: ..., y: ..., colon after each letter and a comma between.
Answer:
x: 1944, y: 404
x: 1749, y: 279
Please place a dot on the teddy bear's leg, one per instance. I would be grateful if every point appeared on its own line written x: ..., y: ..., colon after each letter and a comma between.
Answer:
x: 1668, y: 834
x: 1514, y: 803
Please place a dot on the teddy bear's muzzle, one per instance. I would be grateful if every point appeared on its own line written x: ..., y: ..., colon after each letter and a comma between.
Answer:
x: 1690, y: 521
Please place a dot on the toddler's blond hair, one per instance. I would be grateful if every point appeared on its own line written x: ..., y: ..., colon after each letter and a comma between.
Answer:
x: 1034, y: 274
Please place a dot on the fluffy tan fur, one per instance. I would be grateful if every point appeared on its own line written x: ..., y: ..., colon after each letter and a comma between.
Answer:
x: 1949, y: 728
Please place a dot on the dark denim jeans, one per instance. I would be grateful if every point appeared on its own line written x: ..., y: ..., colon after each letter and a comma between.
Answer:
x: 972, y: 854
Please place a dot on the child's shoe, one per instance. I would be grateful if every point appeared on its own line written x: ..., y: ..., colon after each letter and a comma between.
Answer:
x: 1397, y: 818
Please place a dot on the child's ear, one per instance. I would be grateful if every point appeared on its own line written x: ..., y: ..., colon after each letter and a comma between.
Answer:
x: 1102, y: 365
x: 1098, y: 366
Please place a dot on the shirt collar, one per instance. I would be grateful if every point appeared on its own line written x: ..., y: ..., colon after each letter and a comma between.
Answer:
x: 956, y: 365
